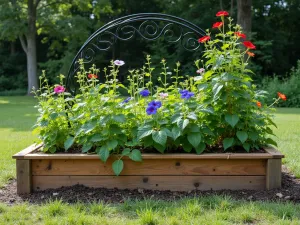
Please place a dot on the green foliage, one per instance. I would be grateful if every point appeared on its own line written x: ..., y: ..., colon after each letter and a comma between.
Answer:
x: 217, y: 107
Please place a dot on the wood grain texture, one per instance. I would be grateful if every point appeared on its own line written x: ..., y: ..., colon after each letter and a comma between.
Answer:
x: 274, y: 152
x: 173, y: 183
x: 24, y: 176
x: 24, y: 152
x: 151, y: 167
x: 273, y: 177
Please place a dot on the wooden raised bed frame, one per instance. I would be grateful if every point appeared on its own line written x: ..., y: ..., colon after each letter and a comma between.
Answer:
x: 176, y: 172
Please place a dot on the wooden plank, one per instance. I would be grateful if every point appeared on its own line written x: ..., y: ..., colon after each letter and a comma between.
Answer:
x: 273, y: 177
x: 274, y: 152
x: 173, y: 183
x: 23, y: 176
x: 23, y: 153
x: 157, y: 156
x: 151, y: 167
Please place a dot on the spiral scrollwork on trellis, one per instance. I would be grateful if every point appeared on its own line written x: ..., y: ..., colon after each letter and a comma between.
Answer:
x: 149, y: 27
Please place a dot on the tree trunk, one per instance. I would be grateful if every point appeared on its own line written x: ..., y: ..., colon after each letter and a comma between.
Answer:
x: 31, y: 48
x: 244, y: 17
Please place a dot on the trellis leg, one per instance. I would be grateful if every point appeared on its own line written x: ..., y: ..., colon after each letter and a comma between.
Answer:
x: 23, y: 176
x: 273, y: 177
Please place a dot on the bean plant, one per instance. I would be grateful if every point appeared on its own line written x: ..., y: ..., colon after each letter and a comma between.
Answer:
x: 215, y: 109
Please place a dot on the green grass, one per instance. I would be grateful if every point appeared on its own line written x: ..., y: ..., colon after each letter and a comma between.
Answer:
x: 17, y: 117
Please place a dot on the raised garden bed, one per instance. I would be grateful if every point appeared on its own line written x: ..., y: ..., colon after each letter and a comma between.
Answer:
x: 177, y: 172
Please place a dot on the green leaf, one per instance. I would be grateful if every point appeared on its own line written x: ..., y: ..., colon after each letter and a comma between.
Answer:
x: 88, y: 127
x: 175, y: 118
x: 111, y: 144
x: 136, y: 155
x: 187, y: 146
x: 194, y: 139
x: 96, y: 138
x: 53, y: 115
x: 103, y: 152
x: 192, y: 116
x: 120, y: 118
x: 69, y: 142
x: 118, y: 166
x: 227, y: 143
x: 216, y: 89
x: 44, y: 123
x: 182, y: 123
x: 87, y: 146
x: 176, y: 132
x: 115, y: 129
x: 242, y: 136
x: 144, y: 132
x: 253, y: 136
x: 160, y: 137
x: 200, y: 148
x: 271, y: 141
x: 126, y: 151
x: 246, y: 146
x: 159, y: 147
x: 194, y: 128
x: 232, y: 119
x: 148, y: 141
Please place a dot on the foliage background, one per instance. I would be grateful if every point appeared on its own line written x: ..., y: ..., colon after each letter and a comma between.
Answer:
x: 63, y: 26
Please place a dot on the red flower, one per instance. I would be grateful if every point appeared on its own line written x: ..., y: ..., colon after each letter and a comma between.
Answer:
x: 203, y: 39
x: 217, y: 25
x: 248, y: 44
x: 91, y: 76
x: 258, y: 104
x: 251, y: 54
x: 222, y: 13
x: 282, y: 96
x: 239, y: 34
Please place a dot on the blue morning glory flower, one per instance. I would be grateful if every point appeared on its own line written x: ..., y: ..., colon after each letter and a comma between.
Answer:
x: 145, y: 93
x: 186, y: 94
x: 127, y: 100
x: 151, y: 110
x: 155, y: 104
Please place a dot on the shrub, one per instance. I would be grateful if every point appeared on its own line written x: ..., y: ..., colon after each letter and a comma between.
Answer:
x: 219, y: 109
x: 290, y: 86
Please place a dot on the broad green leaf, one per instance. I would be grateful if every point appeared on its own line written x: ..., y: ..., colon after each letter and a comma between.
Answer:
x: 148, y: 141
x: 175, y: 118
x: 271, y: 141
x: 194, y: 128
x: 200, y: 148
x: 159, y: 147
x: 96, y: 138
x: 120, y: 118
x: 232, y: 119
x: 160, y: 137
x: 227, y: 143
x: 136, y: 155
x: 187, y: 147
x: 246, y: 146
x: 216, y: 89
x: 69, y: 142
x: 242, y: 136
x: 194, y: 139
x: 53, y: 116
x: 118, y: 166
x: 176, y: 132
x: 103, y: 152
x: 253, y: 136
x: 182, y: 123
x: 144, y: 132
x: 192, y: 116
x: 87, y: 146
x: 126, y: 151
x: 115, y: 129
x: 44, y: 123
x: 111, y: 144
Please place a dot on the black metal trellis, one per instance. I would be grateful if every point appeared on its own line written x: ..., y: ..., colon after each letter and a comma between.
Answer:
x: 148, y: 26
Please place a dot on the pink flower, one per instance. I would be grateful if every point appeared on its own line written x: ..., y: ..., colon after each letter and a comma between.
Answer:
x: 119, y: 62
x: 59, y: 89
x: 201, y: 70
x: 163, y: 95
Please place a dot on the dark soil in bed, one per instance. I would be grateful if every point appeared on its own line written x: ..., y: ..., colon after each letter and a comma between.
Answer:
x: 290, y: 191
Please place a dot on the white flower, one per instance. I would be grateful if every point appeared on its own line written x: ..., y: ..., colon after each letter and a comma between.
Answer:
x: 119, y: 62
x: 198, y: 78
x: 104, y: 99
x: 163, y: 95
x: 169, y: 73
x: 201, y: 70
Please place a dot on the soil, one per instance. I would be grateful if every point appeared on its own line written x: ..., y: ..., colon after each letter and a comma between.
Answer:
x: 290, y: 192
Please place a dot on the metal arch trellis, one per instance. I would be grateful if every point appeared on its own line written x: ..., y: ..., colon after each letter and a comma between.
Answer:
x: 148, y: 26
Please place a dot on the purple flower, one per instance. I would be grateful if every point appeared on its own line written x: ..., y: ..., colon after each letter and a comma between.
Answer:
x: 59, y: 89
x: 186, y: 94
x: 145, y: 93
x: 155, y: 104
x: 163, y: 95
x: 151, y: 110
x: 127, y: 100
x: 201, y: 70
x: 119, y: 62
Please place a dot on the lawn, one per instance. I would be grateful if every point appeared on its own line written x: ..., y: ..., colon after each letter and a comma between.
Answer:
x: 17, y: 117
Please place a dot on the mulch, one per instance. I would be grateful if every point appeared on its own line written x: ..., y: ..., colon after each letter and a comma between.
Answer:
x: 290, y: 192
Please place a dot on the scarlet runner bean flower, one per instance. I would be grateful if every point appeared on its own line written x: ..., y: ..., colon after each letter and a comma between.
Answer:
x: 217, y: 25
x: 239, y: 34
x: 251, y: 54
x: 222, y: 13
x: 92, y: 76
x: 59, y: 89
x: 258, y: 104
x: 249, y: 44
x: 203, y: 39
x: 282, y: 96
